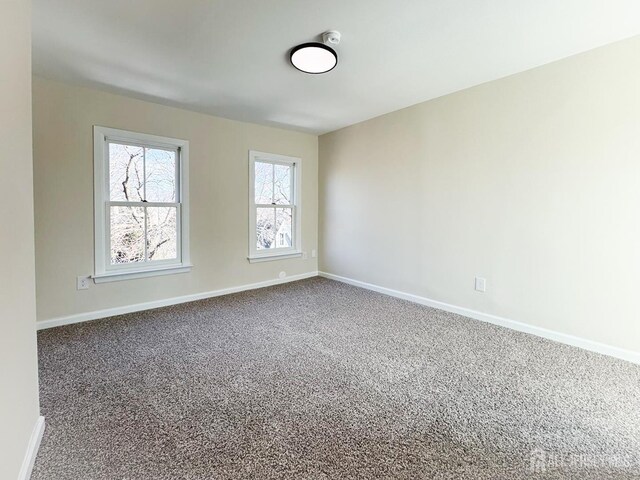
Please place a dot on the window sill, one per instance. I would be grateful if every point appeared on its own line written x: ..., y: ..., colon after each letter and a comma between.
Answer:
x: 117, y: 276
x: 274, y: 256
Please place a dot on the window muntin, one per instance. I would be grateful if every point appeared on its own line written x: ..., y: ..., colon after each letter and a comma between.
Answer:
x: 275, y: 210
x: 140, y: 202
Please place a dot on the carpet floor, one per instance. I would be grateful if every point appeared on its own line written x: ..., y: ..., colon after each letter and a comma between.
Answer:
x: 321, y: 380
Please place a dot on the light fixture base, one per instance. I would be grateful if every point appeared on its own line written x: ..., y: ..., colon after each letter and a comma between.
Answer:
x: 331, y: 38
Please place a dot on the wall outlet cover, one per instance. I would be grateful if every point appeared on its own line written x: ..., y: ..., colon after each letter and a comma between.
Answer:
x: 481, y: 284
x: 83, y: 282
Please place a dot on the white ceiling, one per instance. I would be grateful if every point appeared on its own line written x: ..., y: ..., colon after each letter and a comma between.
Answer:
x: 230, y: 57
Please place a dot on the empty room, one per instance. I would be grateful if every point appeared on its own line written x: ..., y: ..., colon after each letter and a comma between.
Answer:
x: 289, y: 239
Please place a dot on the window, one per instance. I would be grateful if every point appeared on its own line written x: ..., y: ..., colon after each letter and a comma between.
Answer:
x: 141, y: 205
x: 274, y: 203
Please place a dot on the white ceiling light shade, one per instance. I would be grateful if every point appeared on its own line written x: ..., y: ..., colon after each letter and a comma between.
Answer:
x: 316, y: 57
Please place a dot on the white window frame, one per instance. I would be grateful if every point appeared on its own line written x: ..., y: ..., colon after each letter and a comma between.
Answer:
x: 104, y: 271
x: 295, y: 251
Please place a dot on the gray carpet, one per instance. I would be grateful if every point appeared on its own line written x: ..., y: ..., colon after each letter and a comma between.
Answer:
x: 318, y: 380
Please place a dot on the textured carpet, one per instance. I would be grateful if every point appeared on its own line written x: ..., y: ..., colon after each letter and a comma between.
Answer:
x: 316, y: 380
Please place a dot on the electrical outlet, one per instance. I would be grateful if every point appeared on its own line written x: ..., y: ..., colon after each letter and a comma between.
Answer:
x: 282, y: 274
x: 481, y: 284
x: 82, y: 282
x: 304, y: 255
x: 313, y: 253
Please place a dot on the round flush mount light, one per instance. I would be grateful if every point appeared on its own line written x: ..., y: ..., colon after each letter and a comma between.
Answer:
x: 316, y: 57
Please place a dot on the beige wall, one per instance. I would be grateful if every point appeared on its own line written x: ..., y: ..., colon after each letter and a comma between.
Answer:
x: 18, y: 362
x: 532, y: 181
x: 63, y: 160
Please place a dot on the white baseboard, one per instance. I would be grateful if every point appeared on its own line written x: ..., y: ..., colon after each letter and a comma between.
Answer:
x: 32, y: 450
x: 110, y: 312
x: 586, y: 344
x: 591, y: 345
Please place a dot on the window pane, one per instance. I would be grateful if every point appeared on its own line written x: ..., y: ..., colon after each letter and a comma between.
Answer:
x: 127, y: 235
x: 264, y: 183
x: 160, y: 168
x: 283, y: 228
x: 282, y: 184
x: 265, y: 223
x: 125, y: 172
x: 162, y: 233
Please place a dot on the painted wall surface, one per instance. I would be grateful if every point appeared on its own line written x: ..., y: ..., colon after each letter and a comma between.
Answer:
x: 64, y: 117
x: 531, y: 181
x: 19, y: 407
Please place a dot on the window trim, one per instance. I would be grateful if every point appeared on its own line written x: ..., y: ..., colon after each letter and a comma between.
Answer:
x: 102, y: 272
x: 280, y: 253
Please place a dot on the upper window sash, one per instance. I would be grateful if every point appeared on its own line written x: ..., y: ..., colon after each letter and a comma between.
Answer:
x: 114, y: 141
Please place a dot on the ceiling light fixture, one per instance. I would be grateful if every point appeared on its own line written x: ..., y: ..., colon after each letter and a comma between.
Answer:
x: 316, y: 57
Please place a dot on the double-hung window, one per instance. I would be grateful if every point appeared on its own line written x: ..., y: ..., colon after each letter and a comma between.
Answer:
x: 274, y: 206
x: 141, y: 205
